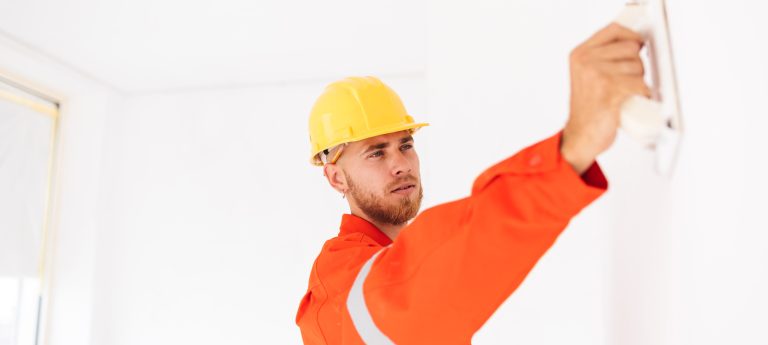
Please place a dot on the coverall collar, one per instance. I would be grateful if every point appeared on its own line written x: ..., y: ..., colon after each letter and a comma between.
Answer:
x: 352, y: 224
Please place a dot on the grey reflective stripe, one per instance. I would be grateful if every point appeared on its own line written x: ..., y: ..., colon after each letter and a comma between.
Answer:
x: 358, y: 310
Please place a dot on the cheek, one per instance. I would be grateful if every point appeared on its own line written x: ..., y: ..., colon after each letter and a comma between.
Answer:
x: 380, y: 180
x: 415, y: 165
x: 371, y: 180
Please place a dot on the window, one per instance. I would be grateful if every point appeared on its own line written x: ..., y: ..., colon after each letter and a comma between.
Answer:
x: 27, y: 137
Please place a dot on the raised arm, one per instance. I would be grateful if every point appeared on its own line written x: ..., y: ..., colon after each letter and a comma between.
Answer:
x: 457, y: 262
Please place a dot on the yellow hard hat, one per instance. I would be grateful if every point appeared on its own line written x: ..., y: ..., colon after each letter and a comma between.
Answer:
x: 354, y: 109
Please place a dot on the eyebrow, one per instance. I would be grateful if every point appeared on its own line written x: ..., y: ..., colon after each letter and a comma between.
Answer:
x: 383, y: 145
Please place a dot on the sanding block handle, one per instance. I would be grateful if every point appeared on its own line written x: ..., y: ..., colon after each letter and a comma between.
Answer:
x: 641, y: 117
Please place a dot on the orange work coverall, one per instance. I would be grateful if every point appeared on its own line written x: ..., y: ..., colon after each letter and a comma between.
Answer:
x: 456, y: 262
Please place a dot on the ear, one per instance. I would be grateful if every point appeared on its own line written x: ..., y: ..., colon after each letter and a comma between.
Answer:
x: 336, y: 178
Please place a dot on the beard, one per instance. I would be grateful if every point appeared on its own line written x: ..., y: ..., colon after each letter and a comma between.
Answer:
x: 378, y: 210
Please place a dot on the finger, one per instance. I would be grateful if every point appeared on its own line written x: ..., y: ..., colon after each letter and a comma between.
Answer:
x: 617, y: 50
x: 628, y: 88
x: 630, y: 67
x: 611, y: 33
x: 634, y: 86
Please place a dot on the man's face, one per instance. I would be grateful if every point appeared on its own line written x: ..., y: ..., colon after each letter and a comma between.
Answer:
x: 382, y: 177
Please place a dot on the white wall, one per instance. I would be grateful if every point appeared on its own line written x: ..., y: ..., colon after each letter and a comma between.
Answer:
x: 193, y: 217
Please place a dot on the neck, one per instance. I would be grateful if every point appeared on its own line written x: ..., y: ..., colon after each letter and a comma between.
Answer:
x: 388, y: 229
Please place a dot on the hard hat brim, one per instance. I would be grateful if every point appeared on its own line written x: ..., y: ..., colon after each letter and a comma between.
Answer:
x: 315, y: 159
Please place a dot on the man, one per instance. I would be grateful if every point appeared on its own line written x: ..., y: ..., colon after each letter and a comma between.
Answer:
x: 437, y: 279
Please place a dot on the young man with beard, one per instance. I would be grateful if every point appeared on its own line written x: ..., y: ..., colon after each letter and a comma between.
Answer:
x: 438, y: 278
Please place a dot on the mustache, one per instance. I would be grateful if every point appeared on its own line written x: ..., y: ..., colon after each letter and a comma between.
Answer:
x: 401, y: 180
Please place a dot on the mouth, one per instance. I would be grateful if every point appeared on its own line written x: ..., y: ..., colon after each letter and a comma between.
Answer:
x: 405, y: 188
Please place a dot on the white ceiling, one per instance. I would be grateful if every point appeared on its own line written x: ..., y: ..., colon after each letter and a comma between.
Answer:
x: 161, y: 45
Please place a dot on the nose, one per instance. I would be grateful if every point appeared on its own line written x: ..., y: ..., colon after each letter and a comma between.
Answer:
x: 401, y: 166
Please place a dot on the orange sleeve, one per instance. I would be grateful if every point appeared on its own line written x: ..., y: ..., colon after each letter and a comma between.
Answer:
x: 454, y: 265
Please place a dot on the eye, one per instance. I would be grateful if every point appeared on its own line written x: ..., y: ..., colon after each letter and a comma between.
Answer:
x: 376, y: 154
x: 406, y: 147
